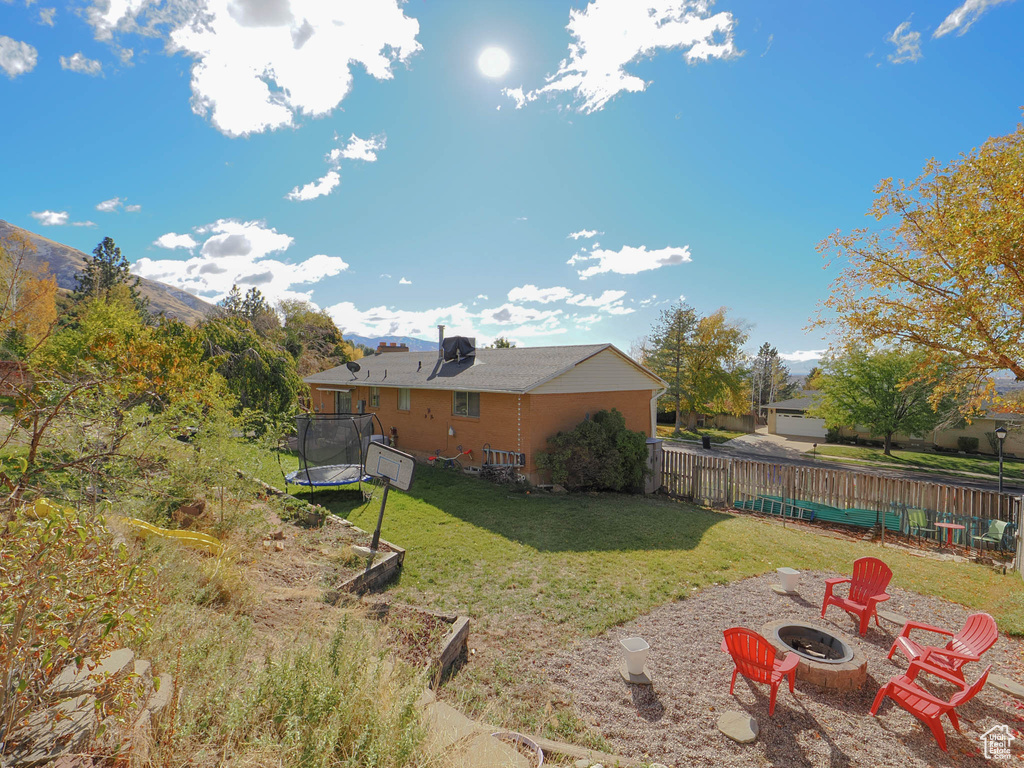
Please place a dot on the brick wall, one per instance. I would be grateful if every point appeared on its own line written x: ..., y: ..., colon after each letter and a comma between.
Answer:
x: 507, y: 422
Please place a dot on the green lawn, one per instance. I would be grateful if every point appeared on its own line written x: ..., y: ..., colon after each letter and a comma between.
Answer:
x: 536, y: 570
x: 716, y: 435
x: 934, y: 462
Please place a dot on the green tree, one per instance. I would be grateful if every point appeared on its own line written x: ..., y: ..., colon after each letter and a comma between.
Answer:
x: 260, y: 374
x: 232, y: 303
x: 312, y: 338
x: 503, y: 343
x: 883, y: 391
x: 104, y: 272
x: 600, y: 453
x: 700, y: 358
x: 813, y: 378
x: 769, y: 378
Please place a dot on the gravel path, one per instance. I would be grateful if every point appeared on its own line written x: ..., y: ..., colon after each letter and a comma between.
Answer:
x: 674, y: 721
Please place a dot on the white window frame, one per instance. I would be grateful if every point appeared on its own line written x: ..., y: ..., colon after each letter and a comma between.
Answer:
x: 375, y: 397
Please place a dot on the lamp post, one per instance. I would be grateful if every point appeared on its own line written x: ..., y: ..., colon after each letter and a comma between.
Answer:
x: 1000, y: 436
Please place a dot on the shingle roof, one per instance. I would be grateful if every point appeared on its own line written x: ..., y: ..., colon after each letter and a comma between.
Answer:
x: 807, y: 400
x: 519, y: 369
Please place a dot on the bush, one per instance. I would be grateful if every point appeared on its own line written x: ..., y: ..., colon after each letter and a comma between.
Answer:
x: 967, y: 444
x: 599, y: 454
x: 832, y: 435
x: 68, y: 594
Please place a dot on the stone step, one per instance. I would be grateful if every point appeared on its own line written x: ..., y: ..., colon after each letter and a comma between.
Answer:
x: 74, y: 682
x: 45, y: 738
x: 160, y: 698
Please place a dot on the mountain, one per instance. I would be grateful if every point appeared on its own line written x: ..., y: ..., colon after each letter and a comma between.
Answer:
x: 415, y: 345
x: 65, y: 262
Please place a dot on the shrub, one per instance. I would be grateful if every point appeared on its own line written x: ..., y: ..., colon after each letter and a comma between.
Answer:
x: 68, y: 594
x: 833, y: 435
x: 967, y: 444
x: 600, y: 454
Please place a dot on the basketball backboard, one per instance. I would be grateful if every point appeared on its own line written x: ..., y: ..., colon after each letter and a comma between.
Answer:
x: 386, y: 462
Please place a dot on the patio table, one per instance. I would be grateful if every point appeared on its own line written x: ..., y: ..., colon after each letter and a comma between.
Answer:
x: 950, y: 527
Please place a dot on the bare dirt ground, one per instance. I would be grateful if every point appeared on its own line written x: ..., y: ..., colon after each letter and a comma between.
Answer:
x: 674, y: 722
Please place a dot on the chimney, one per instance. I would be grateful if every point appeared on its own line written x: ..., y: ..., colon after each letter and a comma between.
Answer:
x: 387, y: 346
x: 440, y: 342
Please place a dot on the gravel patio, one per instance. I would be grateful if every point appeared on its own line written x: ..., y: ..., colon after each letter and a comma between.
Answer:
x: 674, y: 721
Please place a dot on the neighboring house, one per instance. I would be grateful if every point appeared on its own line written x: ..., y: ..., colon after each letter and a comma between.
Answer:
x: 789, y: 417
x: 511, y: 400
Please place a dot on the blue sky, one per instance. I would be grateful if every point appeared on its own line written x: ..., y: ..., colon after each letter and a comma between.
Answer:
x: 356, y: 154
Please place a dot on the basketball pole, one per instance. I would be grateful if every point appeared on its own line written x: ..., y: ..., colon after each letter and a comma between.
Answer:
x: 380, y: 518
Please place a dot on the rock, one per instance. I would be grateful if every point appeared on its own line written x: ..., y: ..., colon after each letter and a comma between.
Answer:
x: 892, y: 617
x: 558, y: 489
x: 278, y: 535
x: 362, y: 551
x: 186, y: 514
x: 279, y: 546
x: 582, y: 763
x: 1006, y: 685
x: 738, y: 726
x: 73, y: 682
x: 142, y: 738
x: 163, y: 690
x: 43, y: 738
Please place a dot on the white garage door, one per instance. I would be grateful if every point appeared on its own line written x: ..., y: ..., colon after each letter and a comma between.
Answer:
x: 799, y: 426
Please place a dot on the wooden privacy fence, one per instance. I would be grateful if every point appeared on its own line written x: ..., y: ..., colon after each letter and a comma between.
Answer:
x: 792, y: 490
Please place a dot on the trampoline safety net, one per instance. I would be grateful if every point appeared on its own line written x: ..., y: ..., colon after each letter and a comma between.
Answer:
x: 331, y: 448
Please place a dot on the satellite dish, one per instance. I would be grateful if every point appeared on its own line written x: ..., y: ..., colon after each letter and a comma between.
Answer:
x: 353, y: 367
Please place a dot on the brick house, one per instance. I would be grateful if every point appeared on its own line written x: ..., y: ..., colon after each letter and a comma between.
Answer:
x: 511, y: 400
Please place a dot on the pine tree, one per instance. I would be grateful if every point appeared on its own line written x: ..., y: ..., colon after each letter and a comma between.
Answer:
x: 106, y: 270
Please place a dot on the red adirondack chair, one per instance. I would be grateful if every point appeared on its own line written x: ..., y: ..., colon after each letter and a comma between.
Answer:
x: 979, y: 634
x: 755, y: 659
x: 927, y: 708
x: 867, y: 589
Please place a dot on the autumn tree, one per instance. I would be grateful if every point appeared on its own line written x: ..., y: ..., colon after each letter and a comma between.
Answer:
x: 27, y: 297
x: 700, y: 358
x: 503, y: 343
x: 943, y: 269
x: 104, y: 272
x: 813, y: 378
x: 883, y: 391
x: 312, y: 338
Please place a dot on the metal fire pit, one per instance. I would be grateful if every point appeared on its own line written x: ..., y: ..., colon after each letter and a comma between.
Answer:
x: 827, y: 657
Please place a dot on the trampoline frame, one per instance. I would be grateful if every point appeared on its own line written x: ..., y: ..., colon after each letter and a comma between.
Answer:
x: 360, y: 476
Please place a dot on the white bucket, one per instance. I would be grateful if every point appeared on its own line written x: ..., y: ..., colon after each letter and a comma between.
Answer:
x: 635, y: 650
x: 790, y: 578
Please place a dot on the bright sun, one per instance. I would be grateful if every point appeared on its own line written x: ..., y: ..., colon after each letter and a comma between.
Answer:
x: 493, y: 62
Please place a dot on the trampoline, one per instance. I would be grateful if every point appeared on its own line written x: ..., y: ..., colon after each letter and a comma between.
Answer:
x: 332, y: 448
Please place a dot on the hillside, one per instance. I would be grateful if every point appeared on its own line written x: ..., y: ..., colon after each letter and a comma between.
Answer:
x: 65, y: 262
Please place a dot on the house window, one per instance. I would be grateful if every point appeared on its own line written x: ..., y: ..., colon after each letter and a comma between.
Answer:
x: 466, y: 403
x: 375, y: 397
x: 404, y: 399
x: 343, y: 402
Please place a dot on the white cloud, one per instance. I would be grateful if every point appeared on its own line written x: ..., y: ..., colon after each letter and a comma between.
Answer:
x: 609, y: 301
x: 387, y: 321
x: 261, y: 64
x: 318, y: 188
x: 360, y: 149
x: 46, y: 16
x: 584, y: 323
x: 109, y: 206
x: 802, y: 355
x: 532, y: 293
x: 58, y: 219
x: 907, y: 42
x: 135, y: 208
x: 238, y: 253
x: 629, y: 260
x: 482, y: 296
x: 608, y: 35
x: 79, y: 63
x: 174, y: 240
x: 587, y: 233
x: 964, y: 16
x: 50, y: 218
x: 16, y: 57
x: 403, y: 281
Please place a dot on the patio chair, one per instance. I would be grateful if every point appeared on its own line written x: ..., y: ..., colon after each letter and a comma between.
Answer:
x: 917, y: 520
x: 755, y: 660
x: 996, y: 534
x: 867, y: 589
x: 978, y: 634
x: 929, y: 709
